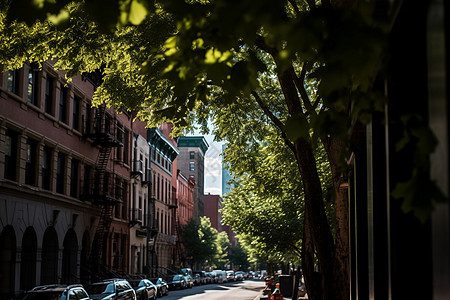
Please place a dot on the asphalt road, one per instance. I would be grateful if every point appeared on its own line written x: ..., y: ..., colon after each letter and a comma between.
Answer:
x: 240, y: 290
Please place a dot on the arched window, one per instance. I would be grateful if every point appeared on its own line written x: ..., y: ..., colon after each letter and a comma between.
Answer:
x: 7, y: 261
x: 49, y: 265
x: 69, y: 261
x: 28, y: 259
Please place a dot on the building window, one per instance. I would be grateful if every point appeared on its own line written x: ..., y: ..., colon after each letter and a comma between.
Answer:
x: 191, y: 166
x: 30, y: 163
x: 74, y: 178
x: 13, y: 81
x: 118, y: 189
x: 153, y: 154
x: 165, y: 227
x: 124, y: 206
x: 154, y: 186
x: 46, y: 168
x: 49, y: 87
x: 117, y: 211
x: 87, y: 123
x: 87, y: 180
x: 157, y: 219
x: 76, y: 113
x: 158, y: 189
x: 106, y: 188
x: 107, y: 128
x: 60, y: 173
x: 63, y: 105
x: 125, y: 146
x: 32, y: 86
x: 120, y: 138
x: 191, y: 155
x: 10, y: 155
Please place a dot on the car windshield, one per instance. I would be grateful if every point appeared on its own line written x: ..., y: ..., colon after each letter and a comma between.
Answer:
x: 174, y: 277
x: 104, y: 288
x: 135, y: 283
x: 43, y: 296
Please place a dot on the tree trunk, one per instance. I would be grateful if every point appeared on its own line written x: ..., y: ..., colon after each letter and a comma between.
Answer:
x: 331, y: 281
x: 336, y: 150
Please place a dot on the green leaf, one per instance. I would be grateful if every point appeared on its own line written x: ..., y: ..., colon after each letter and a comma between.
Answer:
x: 138, y: 12
x: 296, y: 127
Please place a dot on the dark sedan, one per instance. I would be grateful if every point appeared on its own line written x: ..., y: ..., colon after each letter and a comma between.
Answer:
x: 176, y: 282
x: 161, y: 286
x: 144, y: 289
x: 111, y: 289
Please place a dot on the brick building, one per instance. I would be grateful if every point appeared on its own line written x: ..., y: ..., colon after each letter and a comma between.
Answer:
x: 213, y: 205
x: 64, y: 178
x: 163, y: 154
x: 191, y: 162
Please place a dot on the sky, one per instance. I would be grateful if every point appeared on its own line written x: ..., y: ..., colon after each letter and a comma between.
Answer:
x: 213, y: 166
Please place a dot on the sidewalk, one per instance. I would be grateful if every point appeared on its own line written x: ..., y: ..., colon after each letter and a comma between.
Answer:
x: 261, y: 296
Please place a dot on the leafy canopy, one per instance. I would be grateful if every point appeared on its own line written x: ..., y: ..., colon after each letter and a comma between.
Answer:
x: 170, y: 59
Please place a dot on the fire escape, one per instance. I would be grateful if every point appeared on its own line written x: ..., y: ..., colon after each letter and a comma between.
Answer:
x: 177, y: 253
x: 103, y: 190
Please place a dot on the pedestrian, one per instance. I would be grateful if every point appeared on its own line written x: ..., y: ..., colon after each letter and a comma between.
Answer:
x: 276, y: 295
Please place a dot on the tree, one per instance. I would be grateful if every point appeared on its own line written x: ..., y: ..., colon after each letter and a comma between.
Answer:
x: 210, y: 54
x: 239, y: 258
x: 223, y: 244
x: 266, y: 204
x: 200, y: 240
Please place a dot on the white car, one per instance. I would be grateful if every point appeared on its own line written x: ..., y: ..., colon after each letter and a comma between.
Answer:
x: 230, y: 275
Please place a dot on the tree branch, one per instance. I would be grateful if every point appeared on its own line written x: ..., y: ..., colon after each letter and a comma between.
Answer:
x: 261, y: 44
x: 274, y: 119
x: 301, y: 88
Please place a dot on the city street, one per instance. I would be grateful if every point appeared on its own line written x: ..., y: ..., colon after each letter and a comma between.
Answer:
x: 240, y: 290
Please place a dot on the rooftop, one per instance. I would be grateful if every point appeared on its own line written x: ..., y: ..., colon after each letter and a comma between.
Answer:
x: 193, y: 141
x: 159, y: 141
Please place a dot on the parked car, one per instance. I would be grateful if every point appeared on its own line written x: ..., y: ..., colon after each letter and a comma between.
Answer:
x: 144, y: 289
x: 111, y: 289
x: 202, y: 276
x: 230, y: 275
x: 197, y: 280
x: 57, y: 291
x: 239, y: 275
x: 209, y: 278
x: 189, y: 280
x: 213, y: 275
x: 161, y: 286
x: 221, y: 276
x: 176, y: 282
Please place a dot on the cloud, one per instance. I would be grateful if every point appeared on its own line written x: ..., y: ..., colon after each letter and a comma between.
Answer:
x: 213, y: 166
x: 213, y: 191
